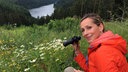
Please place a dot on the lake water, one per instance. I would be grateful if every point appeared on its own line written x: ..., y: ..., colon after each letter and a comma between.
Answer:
x: 42, y: 11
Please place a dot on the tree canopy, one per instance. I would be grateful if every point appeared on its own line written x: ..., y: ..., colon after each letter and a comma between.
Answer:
x: 108, y: 9
x: 11, y: 13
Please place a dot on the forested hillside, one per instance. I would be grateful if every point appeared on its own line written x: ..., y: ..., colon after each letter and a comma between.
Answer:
x: 11, y: 13
x: 108, y: 9
x: 15, y: 11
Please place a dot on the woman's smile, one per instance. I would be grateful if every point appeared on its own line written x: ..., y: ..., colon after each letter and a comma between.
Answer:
x: 88, y: 37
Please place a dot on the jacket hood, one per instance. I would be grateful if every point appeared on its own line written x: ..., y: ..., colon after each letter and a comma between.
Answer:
x: 114, y: 40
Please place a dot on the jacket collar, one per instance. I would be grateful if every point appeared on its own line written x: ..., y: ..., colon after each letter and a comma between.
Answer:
x: 110, y: 39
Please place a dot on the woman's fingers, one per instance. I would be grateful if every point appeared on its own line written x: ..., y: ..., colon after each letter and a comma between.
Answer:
x: 77, y: 70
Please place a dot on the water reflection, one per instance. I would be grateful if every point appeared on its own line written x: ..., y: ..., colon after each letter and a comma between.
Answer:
x: 42, y: 11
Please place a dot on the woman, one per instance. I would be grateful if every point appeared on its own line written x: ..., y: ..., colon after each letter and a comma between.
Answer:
x: 106, y: 52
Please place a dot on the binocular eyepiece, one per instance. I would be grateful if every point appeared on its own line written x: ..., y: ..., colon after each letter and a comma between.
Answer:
x: 72, y: 40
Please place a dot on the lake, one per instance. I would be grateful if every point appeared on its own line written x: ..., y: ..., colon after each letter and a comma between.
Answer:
x: 42, y: 11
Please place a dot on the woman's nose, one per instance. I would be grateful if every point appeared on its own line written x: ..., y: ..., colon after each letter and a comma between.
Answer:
x: 85, y: 33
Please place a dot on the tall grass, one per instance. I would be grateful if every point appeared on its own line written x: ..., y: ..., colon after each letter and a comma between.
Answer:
x: 40, y: 49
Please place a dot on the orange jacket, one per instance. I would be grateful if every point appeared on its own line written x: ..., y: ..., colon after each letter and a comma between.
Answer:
x: 105, y: 54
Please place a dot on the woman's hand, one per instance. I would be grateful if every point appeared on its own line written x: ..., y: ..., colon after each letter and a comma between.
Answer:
x: 76, y: 47
x: 77, y: 70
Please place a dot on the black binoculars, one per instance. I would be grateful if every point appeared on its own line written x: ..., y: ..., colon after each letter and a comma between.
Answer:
x: 72, y: 40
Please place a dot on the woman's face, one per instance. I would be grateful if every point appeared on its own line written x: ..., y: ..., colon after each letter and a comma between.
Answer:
x: 90, y: 31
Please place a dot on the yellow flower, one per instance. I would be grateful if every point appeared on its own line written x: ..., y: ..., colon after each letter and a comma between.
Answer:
x: 4, y: 71
x: 1, y: 42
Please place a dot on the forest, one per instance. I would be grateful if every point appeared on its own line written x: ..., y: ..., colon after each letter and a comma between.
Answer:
x: 10, y: 13
x: 108, y: 9
x: 16, y: 11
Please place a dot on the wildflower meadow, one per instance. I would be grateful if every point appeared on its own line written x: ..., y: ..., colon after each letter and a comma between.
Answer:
x: 40, y: 48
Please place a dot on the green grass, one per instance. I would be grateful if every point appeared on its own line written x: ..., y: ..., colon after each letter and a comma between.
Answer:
x: 40, y: 49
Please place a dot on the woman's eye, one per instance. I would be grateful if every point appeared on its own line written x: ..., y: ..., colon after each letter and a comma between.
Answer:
x: 89, y: 27
x: 82, y: 30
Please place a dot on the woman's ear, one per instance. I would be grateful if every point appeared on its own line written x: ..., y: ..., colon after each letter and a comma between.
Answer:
x: 101, y: 27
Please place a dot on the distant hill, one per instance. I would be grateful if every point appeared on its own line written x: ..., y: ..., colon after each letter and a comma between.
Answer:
x: 11, y: 13
x: 16, y: 11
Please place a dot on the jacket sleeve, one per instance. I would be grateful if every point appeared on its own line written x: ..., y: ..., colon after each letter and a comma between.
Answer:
x: 81, y: 60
